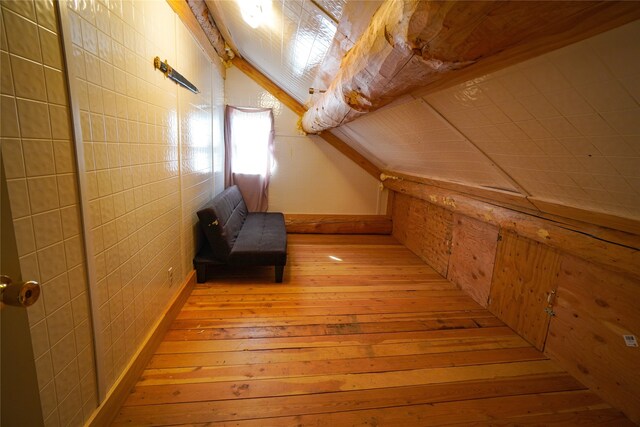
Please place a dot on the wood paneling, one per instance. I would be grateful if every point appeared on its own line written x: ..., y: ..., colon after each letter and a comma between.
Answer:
x: 425, y: 229
x: 400, y: 210
x: 614, y: 249
x: 311, y: 352
x: 594, y: 309
x: 338, y: 224
x: 524, y: 276
x: 473, y: 252
x: 595, y: 305
x: 429, y: 234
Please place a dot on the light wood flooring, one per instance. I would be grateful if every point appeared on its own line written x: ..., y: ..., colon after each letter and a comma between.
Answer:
x: 362, y: 333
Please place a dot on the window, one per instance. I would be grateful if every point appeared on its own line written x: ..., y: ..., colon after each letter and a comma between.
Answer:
x: 250, y: 143
x: 248, y: 138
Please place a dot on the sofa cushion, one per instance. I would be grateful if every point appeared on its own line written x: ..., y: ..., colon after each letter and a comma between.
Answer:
x: 222, y: 220
x: 262, y: 241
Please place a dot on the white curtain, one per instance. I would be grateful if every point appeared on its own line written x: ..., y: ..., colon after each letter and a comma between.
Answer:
x: 248, y: 139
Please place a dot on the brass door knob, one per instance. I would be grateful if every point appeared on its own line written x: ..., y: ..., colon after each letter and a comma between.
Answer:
x: 20, y: 295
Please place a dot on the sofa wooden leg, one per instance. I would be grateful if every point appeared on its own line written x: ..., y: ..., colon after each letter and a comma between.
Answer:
x: 201, y: 273
x: 279, y: 273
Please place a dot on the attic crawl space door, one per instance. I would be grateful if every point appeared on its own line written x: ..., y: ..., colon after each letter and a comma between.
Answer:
x: 521, y: 289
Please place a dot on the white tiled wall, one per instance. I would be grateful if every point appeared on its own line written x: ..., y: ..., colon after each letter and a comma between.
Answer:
x: 198, y: 122
x: 310, y: 175
x: 39, y: 161
x: 412, y: 137
x: 148, y: 157
x: 149, y: 154
x: 128, y: 117
x: 564, y: 127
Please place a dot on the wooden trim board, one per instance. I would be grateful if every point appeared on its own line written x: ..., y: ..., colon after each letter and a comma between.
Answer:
x: 619, y: 230
x: 350, y: 152
x: 264, y: 81
x: 108, y: 409
x: 553, y: 210
x: 338, y: 224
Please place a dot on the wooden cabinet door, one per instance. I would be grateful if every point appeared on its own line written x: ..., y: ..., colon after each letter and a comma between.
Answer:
x: 473, y: 252
x: 523, y: 278
x: 595, y: 309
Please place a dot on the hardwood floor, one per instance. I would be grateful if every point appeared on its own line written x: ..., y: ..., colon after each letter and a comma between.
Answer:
x: 362, y: 333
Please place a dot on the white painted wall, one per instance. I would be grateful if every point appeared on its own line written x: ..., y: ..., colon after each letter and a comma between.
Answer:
x: 310, y: 176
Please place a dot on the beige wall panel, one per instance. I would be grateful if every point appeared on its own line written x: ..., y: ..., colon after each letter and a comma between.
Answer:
x: 594, y: 309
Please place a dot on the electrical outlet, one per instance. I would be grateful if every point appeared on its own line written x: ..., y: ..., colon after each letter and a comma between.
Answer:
x: 170, y: 276
x: 630, y: 340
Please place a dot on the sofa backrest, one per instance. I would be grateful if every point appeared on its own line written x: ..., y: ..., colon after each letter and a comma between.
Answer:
x: 222, y: 220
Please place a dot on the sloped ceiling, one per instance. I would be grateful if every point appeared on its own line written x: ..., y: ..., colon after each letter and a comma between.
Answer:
x: 290, y: 48
x: 563, y: 127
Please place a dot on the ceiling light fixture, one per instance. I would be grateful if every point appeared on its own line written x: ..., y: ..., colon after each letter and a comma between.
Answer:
x: 255, y: 12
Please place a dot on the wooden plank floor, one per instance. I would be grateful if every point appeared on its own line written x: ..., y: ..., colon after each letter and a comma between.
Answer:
x: 362, y: 333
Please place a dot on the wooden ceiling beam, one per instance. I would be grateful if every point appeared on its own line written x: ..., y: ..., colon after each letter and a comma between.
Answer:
x: 204, y: 18
x: 508, y: 199
x: 412, y: 44
x: 300, y: 109
x: 603, y: 226
x: 589, y: 241
x: 266, y: 83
